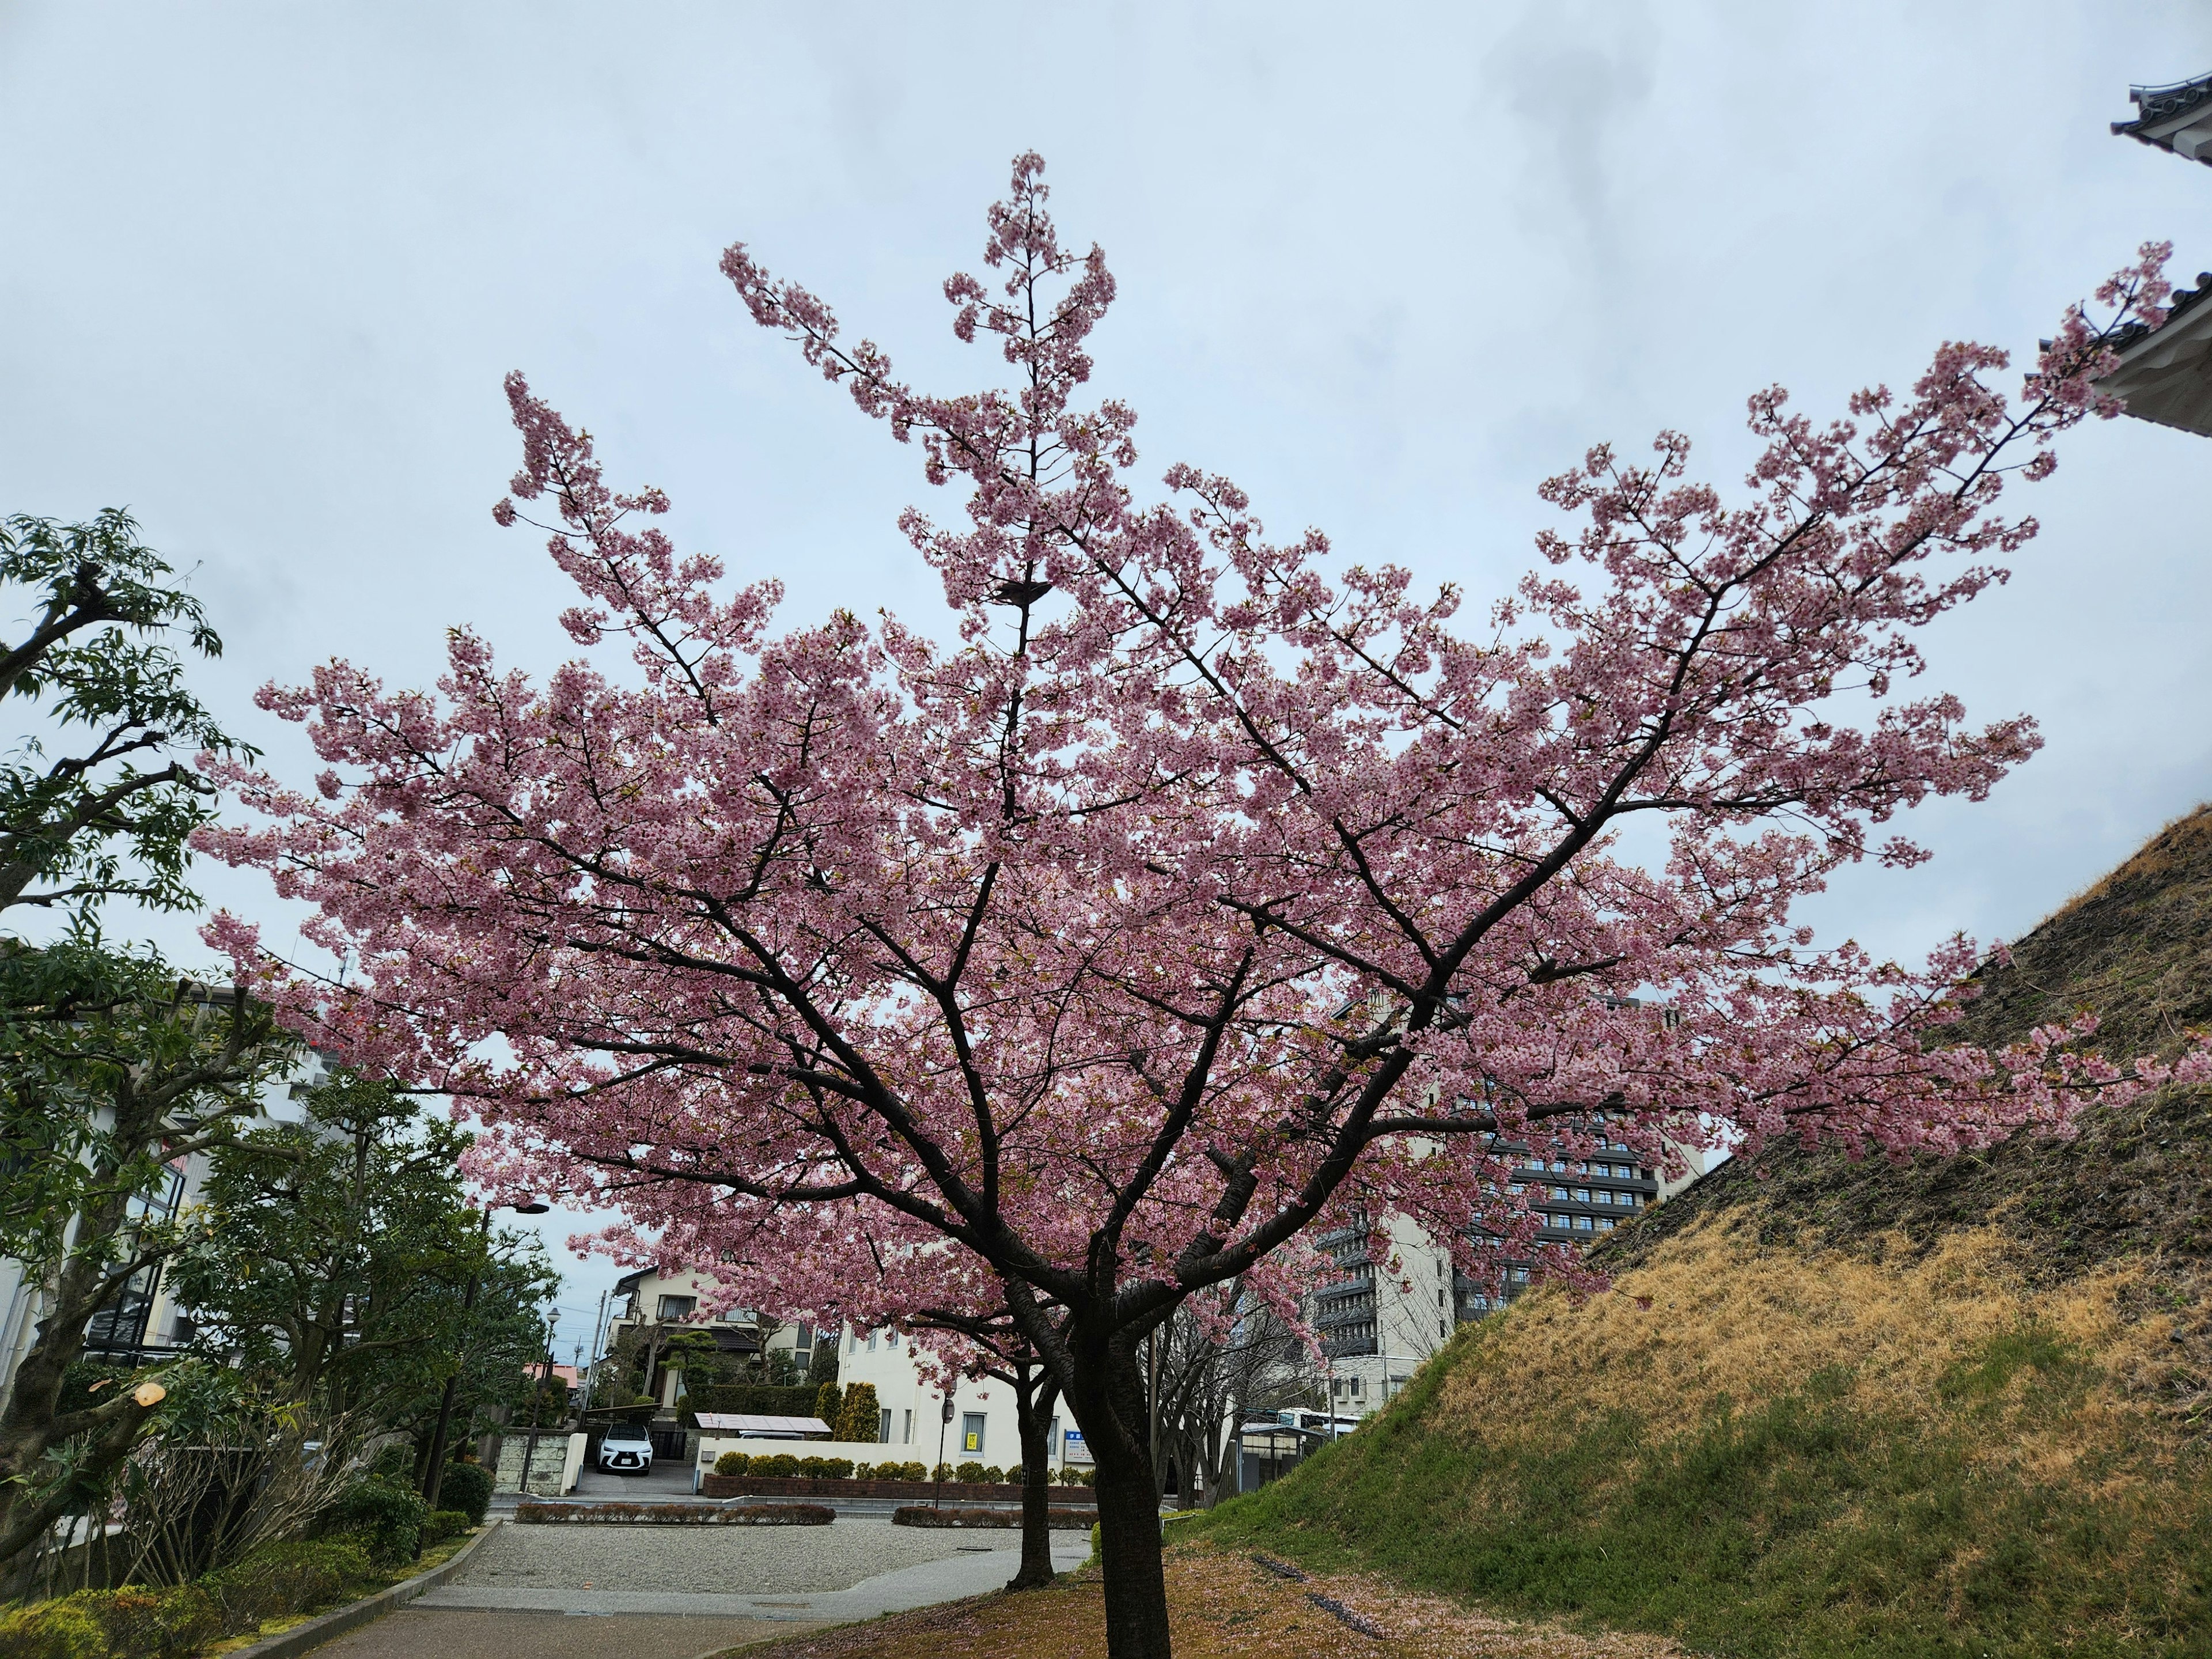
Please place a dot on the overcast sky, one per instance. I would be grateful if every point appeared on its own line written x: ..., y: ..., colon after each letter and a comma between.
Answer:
x: 1388, y: 266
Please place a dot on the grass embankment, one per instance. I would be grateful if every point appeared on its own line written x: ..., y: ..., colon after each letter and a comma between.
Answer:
x: 1761, y: 1451
x: 1959, y: 1409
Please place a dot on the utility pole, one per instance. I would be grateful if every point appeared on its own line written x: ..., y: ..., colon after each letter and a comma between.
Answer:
x: 592, y: 1377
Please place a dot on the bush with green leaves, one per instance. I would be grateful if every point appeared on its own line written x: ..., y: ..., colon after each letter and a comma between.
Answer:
x: 777, y: 1466
x: 906, y: 1471
x: 858, y: 1419
x: 970, y: 1471
x: 828, y: 1402
x: 294, y: 1577
x: 733, y: 1462
x: 67, y: 1629
x: 942, y: 1472
x: 387, y: 1518
x: 466, y: 1487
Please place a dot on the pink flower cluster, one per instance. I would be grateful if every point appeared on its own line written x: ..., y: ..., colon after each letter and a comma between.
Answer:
x: 1193, y: 889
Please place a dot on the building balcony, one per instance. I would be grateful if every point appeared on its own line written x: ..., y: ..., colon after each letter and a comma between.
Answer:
x: 1350, y: 1346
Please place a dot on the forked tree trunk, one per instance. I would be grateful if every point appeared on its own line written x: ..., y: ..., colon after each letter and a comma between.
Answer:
x: 1107, y: 1396
x: 1033, y: 1397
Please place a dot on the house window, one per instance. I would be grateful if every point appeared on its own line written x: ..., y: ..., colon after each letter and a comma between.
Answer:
x: 907, y: 1439
x: 971, y: 1434
x: 804, y: 1339
x: 1355, y: 1387
x: 883, y: 1427
x: 677, y: 1307
x: 872, y: 1341
x: 891, y: 1339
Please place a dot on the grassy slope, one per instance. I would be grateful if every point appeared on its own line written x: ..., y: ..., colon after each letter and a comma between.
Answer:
x: 1962, y: 1408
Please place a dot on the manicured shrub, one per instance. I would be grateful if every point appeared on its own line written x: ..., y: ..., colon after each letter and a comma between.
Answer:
x: 761, y: 1399
x: 1070, y: 1476
x: 778, y: 1466
x: 733, y: 1462
x: 968, y: 1472
x: 942, y: 1472
x: 150, y: 1624
x: 54, y: 1630
x: 291, y: 1577
x: 388, y: 1519
x: 533, y: 1513
x: 867, y: 1472
x: 466, y: 1487
x: 858, y: 1420
x: 993, y: 1475
x: 926, y: 1515
x: 828, y: 1402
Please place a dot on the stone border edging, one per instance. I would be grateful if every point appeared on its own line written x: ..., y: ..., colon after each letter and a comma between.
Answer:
x: 330, y: 1625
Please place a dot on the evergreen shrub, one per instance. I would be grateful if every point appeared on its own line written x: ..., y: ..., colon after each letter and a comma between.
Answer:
x: 466, y: 1487
x: 387, y: 1518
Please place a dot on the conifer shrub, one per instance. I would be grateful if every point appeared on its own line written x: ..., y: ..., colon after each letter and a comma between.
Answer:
x: 859, y: 1417
x: 733, y: 1462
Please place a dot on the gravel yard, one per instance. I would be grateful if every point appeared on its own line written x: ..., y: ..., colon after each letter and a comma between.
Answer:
x: 743, y: 1560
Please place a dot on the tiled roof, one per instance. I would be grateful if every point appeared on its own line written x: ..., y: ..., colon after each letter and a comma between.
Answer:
x: 2157, y: 106
x: 2179, y: 301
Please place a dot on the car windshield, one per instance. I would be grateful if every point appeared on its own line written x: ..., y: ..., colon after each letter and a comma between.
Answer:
x: 628, y: 1431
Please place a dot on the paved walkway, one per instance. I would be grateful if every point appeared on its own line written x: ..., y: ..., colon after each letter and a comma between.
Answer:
x: 856, y: 1568
x: 484, y: 1633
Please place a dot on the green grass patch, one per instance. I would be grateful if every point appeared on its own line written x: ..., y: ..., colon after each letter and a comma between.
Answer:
x: 1804, y: 1525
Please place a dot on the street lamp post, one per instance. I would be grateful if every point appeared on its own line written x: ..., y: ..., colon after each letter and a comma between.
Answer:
x: 437, y: 1475
x: 944, y: 1421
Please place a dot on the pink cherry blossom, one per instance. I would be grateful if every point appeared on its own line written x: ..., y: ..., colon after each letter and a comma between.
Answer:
x: 1191, y: 889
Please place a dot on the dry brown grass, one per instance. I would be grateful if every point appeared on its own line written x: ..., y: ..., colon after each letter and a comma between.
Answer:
x: 1223, y: 1606
x: 1718, y: 1310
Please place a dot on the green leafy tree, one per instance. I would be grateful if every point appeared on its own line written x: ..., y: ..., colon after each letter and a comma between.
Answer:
x: 114, y: 1070
x: 829, y: 1401
x: 99, y: 799
x: 337, y: 1257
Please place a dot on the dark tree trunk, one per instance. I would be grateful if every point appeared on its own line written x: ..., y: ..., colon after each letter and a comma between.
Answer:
x: 1107, y: 1395
x: 1034, y: 1393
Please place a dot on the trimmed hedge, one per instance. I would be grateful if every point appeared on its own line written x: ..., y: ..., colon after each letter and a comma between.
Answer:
x: 277, y: 1579
x: 921, y: 1514
x: 466, y: 1487
x: 136, y: 1622
x: 677, y: 1515
x: 389, y: 1519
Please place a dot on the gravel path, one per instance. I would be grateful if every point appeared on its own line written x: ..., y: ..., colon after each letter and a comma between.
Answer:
x: 740, y: 1560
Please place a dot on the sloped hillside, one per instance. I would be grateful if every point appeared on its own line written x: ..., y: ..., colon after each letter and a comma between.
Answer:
x: 1963, y: 1408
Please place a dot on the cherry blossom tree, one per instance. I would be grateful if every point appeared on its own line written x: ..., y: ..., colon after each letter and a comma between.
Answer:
x: 1185, y: 888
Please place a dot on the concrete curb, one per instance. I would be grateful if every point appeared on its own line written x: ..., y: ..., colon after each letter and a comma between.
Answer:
x: 331, y: 1626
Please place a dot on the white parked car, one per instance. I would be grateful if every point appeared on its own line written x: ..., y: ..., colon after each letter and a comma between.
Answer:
x: 626, y: 1449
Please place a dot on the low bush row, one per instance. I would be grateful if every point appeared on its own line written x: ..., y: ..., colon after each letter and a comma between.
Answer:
x: 789, y: 1465
x: 136, y: 1622
x: 371, y: 1535
x: 685, y: 1515
x: 923, y: 1514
